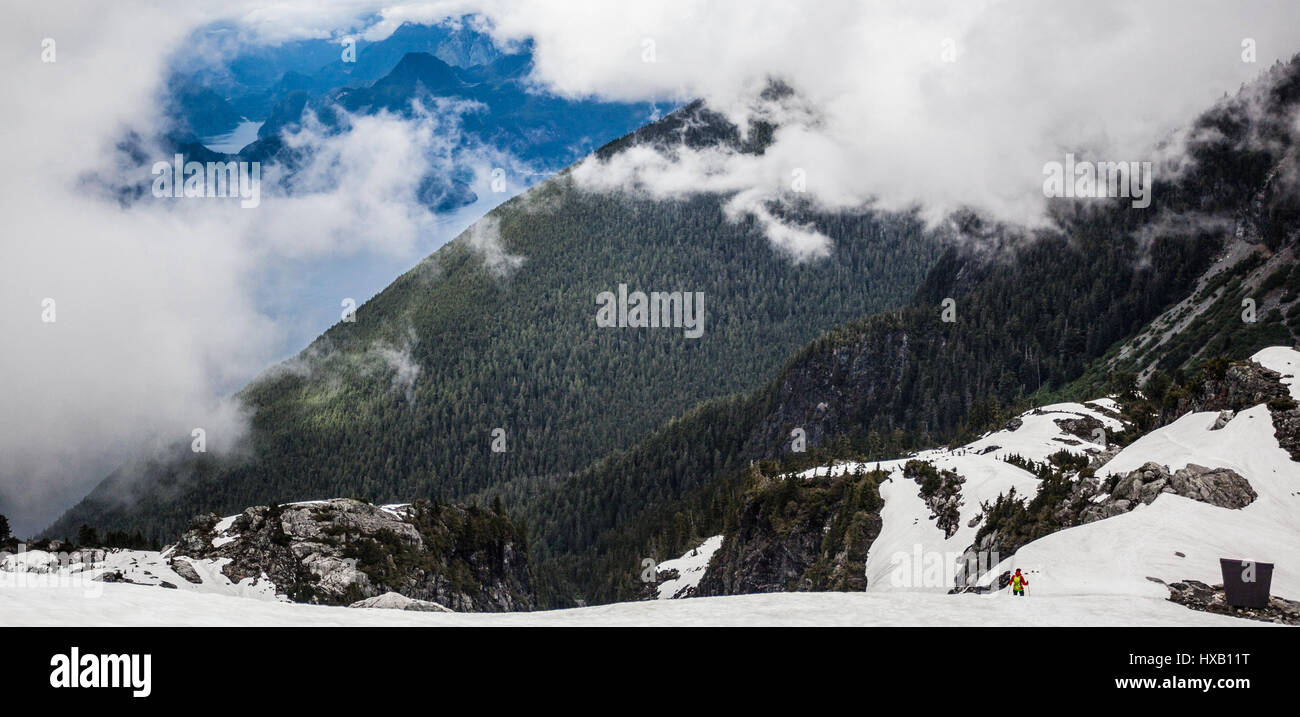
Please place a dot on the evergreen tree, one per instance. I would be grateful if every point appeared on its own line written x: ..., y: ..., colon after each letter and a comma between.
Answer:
x: 87, y: 536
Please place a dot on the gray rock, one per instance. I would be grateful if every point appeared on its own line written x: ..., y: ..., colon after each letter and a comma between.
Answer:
x: 944, y: 499
x: 1082, y: 426
x: 1217, y: 486
x: 1211, y: 598
x: 397, y: 601
x: 184, y: 569
x: 1222, y: 419
x: 340, y: 551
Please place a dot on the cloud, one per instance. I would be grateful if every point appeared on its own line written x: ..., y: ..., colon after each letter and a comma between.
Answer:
x: 895, y: 123
x: 400, y: 361
x: 799, y: 241
x: 166, y: 307
x: 935, y: 104
x: 359, y: 189
x: 485, y: 238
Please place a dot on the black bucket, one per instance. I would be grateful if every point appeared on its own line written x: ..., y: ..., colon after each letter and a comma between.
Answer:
x: 1240, y: 592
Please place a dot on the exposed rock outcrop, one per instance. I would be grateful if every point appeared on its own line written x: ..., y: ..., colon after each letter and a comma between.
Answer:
x: 1217, y: 486
x: 396, y: 601
x: 1238, y: 386
x: 792, y: 533
x: 1223, y: 419
x: 1085, y: 427
x: 341, y: 551
x: 1286, y: 425
x: 941, y: 491
x: 1210, y: 598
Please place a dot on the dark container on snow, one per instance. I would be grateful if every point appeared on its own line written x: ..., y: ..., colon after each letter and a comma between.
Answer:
x: 1238, y: 591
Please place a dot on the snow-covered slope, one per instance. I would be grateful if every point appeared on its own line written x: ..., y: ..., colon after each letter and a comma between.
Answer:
x: 1040, y: 435
x: 126, y: 605
x: 911, y: 552
x: 1177, y: 538
x: 1174, y: 538
x: 88, y: 571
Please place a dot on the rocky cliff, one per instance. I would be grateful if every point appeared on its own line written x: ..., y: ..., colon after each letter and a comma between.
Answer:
x: 941, y: 491
x: 341, y: 551
x: 797, y: 533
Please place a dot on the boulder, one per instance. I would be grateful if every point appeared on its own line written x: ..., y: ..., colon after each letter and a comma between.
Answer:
x: 185, y: 569
x: 1222, y: 419
x: 397, y: 601
x: 1223, y: 487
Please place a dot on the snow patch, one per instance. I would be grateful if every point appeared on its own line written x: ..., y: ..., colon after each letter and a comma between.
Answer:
x: 690, y: 567
x: 1039, y: 436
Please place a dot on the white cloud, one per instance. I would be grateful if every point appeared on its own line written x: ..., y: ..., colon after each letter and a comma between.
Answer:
x: 162, y: 307
x: 399, y: 361
x: 358, y: 189
x: 485, y: 238
x: 894, y: 123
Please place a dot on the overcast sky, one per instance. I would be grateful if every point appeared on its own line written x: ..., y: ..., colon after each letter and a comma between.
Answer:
x: 163, y: 309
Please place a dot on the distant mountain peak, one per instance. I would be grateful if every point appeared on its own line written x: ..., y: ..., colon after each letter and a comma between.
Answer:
x: 424, y: 69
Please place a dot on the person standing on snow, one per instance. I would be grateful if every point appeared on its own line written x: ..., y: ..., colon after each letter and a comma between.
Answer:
x: 1018, y: 583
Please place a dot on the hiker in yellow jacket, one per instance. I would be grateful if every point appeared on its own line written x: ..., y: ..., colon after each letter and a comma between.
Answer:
x: 1018, y: 583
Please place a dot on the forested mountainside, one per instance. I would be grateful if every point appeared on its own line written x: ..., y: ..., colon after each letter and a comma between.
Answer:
x: 497, y: 330
x: 1036, y: 314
